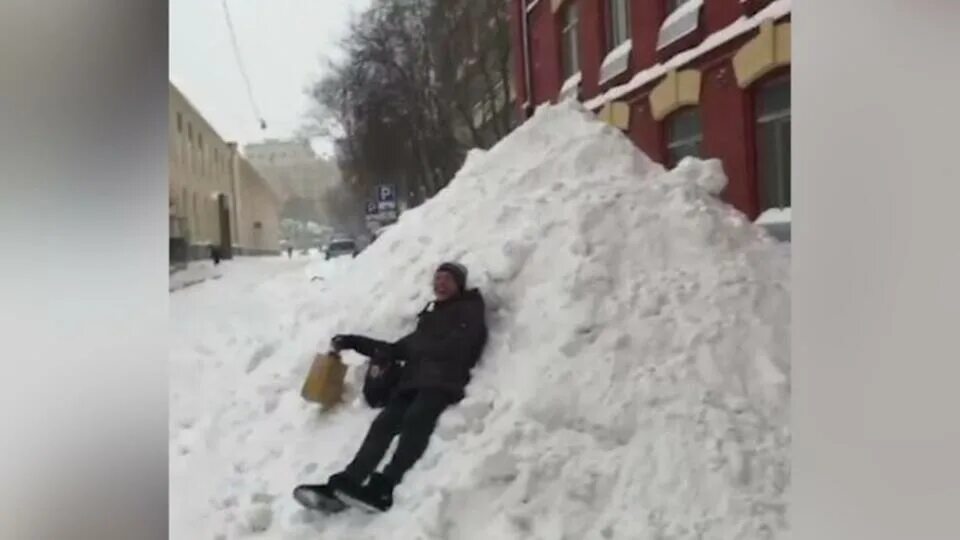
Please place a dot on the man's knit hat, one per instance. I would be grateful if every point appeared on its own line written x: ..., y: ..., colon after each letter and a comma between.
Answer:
x: 458, y: 271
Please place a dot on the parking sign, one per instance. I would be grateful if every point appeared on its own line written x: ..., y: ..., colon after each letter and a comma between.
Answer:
x: 385, y: 193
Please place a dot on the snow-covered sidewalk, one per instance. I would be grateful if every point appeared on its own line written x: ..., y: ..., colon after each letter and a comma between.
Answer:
x: 195, y: 273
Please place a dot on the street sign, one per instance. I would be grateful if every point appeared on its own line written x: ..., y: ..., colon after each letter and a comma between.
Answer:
x: 385, y: 193
x: 385, y: 206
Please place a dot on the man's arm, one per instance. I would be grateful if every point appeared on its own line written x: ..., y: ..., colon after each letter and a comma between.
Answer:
x: 372, y: 348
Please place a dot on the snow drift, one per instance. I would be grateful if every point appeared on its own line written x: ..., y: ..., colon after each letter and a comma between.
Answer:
x: 636, y: 382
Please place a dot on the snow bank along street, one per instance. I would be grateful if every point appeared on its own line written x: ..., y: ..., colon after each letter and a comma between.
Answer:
x: 635, y: 386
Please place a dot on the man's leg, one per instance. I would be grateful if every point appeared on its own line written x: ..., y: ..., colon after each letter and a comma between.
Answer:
x: 417, y: 425
x: 384, y: 427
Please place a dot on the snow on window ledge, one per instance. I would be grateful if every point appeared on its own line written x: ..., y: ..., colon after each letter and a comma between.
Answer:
x: 570, y: 87
x: 773, y: 11
x: 682, y: 22
x: 778, y: 223
x: 532, y: 4
x: 616, y: 62
x: 775, y: 216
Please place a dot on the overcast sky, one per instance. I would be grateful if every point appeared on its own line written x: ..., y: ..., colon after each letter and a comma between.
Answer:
x: 282, y: 43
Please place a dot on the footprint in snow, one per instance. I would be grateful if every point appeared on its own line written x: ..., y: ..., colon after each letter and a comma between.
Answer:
x: 262, y: 353
x: 262, y: 498
x: 259, y: 519
x: 271, y: 404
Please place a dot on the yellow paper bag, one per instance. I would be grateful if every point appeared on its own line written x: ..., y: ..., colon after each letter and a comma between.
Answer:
x: 324, y: 383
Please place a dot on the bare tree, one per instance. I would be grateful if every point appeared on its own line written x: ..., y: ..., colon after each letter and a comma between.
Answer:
x: 413, y: 76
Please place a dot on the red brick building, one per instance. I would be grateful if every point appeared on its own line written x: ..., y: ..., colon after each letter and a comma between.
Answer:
x: 709, y: 78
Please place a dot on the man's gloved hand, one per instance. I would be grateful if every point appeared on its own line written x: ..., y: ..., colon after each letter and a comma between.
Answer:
x: 342, y: 342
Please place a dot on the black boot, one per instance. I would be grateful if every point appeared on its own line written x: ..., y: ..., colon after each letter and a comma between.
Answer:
x: 324, y: 497
x: 320, y: 497
x: 342, y: 480
x: 376, y: 496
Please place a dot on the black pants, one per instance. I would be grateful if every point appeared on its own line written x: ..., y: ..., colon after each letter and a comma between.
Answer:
x: 413, y: 416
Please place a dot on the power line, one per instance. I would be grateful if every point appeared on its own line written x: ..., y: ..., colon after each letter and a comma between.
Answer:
x: 243, y: 71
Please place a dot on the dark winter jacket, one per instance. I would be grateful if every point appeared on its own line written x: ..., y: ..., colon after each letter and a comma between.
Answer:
x: 447, y: 343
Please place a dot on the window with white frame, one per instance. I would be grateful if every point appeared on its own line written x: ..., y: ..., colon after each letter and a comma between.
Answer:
x: 569, y: 37
x: 773, y: 143
x: 618, y: 23
x: 684, y: 135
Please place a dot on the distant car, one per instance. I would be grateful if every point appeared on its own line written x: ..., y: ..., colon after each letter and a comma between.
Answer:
x: 341, y: 247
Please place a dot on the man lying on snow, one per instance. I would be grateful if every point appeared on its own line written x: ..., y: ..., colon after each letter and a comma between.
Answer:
x: 437, y: 358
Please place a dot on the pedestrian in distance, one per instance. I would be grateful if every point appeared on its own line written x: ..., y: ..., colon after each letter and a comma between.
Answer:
x: 429, y: 370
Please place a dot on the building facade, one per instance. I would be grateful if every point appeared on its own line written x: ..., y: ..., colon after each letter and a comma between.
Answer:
x: 258, y: 211
x: 705, y: 78
x: 209, y: 188
x: 293, y: 168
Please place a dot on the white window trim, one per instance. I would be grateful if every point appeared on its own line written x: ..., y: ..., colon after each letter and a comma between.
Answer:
x: 616, y: 62
x: 679, y: 24
x: 684, y: 141
x: 571, y: 86
x: 698, y: 138
x: 774, y: 116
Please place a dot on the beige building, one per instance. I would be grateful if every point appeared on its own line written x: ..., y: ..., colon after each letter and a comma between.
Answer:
x: 258, y: 211
x: 216, y: 198
x: 293, y: 168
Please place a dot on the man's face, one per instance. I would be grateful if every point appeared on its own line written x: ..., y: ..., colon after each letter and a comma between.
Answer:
x: 444, y: 286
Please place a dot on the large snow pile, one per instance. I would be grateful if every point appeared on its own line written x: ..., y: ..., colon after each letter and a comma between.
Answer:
x: 635, y: 385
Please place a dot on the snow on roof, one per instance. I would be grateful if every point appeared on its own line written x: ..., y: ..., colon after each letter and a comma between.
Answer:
x: 739, y: 27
